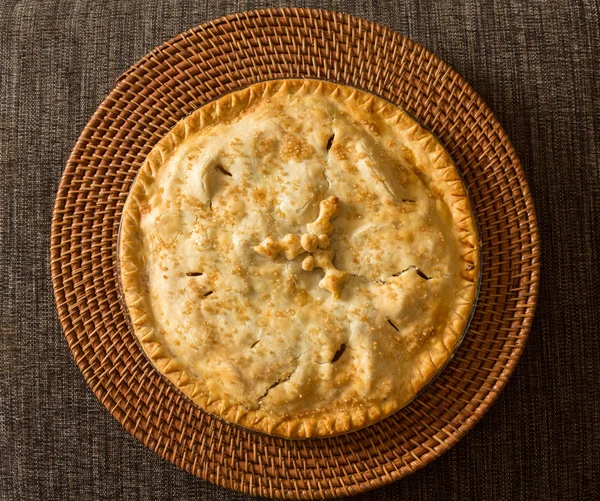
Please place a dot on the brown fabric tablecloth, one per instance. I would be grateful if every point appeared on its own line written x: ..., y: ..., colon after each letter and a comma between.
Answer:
x: 537, y: 65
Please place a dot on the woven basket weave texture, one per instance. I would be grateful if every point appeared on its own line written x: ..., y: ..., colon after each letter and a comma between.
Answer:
x: 182, y: 75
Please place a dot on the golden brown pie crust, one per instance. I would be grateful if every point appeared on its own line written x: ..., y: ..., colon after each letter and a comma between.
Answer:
x: 271, y: 312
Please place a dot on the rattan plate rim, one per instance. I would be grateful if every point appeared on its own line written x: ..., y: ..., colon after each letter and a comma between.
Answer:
x: 74, y: 321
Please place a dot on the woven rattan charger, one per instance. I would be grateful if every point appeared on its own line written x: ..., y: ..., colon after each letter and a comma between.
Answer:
x: 200, y: 65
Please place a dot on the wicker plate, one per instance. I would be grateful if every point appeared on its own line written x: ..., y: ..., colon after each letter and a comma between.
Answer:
x: 187, y: 72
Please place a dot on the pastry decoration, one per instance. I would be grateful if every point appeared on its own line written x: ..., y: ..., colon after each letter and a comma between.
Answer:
x: 312, y: 242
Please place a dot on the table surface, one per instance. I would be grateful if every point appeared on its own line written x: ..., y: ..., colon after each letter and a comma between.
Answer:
x: 536, y: 64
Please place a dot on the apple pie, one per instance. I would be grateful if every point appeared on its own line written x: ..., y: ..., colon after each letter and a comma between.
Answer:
x: 299, y: 257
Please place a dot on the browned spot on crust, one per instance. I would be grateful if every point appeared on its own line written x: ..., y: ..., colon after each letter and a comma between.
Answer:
x: 296, y: 148
x: 262, y: 146
x: 371, y: 127
x: 260, y: 196
x: 339, y: 151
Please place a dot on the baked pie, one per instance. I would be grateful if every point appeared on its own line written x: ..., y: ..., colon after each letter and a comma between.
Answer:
x: 299, y: 257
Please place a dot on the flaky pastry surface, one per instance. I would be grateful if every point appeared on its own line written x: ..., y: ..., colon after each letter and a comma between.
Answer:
x: 299, y: 257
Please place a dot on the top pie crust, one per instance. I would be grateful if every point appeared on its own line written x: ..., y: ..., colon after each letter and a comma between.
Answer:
x: 266, y: 341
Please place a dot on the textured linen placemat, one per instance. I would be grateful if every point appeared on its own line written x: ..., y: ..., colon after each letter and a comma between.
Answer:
x: 536, y: 64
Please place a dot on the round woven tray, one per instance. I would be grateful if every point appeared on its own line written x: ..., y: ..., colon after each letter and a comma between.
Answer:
x: 183, y: 74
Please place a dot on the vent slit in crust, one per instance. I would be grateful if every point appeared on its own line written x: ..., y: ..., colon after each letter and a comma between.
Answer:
x: 339, y: 353
x: 416, y: 270
x: 421, y: 274
x: 393, y: 325
x: 275, y: 385
x: 222, y: 170
x: 397, y: 274
x: 330, y: 142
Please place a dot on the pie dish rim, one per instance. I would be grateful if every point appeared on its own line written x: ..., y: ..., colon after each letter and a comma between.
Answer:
x: 434, y: 374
